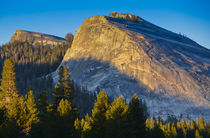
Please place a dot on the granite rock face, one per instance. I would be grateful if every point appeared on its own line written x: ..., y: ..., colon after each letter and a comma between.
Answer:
x: 35, y: 38
x: 124, y: 54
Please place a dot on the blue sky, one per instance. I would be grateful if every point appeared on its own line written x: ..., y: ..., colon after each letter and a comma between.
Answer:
x: 58, y: 17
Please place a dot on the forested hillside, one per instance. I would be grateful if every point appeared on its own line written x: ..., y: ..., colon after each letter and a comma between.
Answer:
x: 33, y: 62
x: 22, y: 116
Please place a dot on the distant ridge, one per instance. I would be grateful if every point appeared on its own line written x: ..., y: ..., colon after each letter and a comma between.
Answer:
x: 36, y: 38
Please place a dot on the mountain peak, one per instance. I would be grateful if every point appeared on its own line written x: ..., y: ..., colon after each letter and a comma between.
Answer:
x: 35, y: 38
x: 124, y: 54
x: 126, y: 16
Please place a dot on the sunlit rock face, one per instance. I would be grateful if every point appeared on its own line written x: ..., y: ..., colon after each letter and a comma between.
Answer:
x: 124, y: 54
x: 36, y: 38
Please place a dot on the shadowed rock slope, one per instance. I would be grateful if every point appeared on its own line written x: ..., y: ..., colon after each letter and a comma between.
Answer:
x: 35, y: 38
x: 124, y: 54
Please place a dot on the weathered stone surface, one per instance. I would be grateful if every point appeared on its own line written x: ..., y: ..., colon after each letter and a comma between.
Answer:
x: 169, y: 71
x: 125, y: 16
x: 35, y: 38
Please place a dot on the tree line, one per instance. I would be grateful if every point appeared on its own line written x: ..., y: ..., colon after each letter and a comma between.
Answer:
x: 24, y: 116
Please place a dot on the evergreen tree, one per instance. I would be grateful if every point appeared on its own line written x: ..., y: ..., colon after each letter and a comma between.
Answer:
x: 136, y: 118
x: 78, y: 127
x: 152, y: 123
x: 66, y: 117
x: 192, y: 125
x: 32, y: 112
x: 86, y: 124
x: 49, y: 122
x: 197, y: 134
x: 201, y: 125
x: 173, y: 131
x: 64, y: 108
x: 98, y: 114
x: 43, y: 103
x: 68, y: 88
x: 147, y: 123
x: 59, y: 88
x: 8, y: 84
x: 116, y: 116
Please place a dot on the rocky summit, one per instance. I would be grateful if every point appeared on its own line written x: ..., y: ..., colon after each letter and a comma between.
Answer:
x: 125, y: 54
x: 35, y: 38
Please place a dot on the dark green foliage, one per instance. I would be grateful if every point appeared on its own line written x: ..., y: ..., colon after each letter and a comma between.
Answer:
x: 68, y: 88
x: 156, y: 132
x: 64, y: 88
x: 43, y: 103
x: 136, y: 118
x: 59, y: 88
x: 99, y: 114
x: 32, y: 62
x: 65, y: 119
x: 116, y: 116
x: 83, y: 100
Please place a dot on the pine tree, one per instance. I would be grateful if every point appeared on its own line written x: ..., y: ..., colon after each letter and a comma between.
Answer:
x: 173, y: 130
x: 147, y: 123
x: 78, y: 127
x: 192, y: 125
x: 116, y: 116
x: 87, y: 131
x: 98, y: 114
x: 32, y: 112
x: 8, y: 84
x: 65, y: 119
x: 197, y: 134
x: 136, y: 118
x: 152, y: 123
x: 61, y: 77
x: 201, y: 125
x: 64, y: 108
x: 68, y: 88
x: 59, y: 88
x: 43, y: 103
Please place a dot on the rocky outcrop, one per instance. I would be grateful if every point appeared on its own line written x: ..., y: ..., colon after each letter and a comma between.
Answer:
x: 125, y: 16
x: 124, y: 54
x: 35, y: 38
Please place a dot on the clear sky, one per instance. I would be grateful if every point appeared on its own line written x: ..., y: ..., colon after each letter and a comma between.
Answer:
x: 58, y: 17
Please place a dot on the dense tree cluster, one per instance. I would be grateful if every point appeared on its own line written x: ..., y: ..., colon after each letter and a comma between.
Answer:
x: 33, y: 61
x: 184, y: 128
x: 22, y: 116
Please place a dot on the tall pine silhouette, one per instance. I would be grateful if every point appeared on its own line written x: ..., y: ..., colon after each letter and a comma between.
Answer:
x: 8, y: 84
x: 68, y: 89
